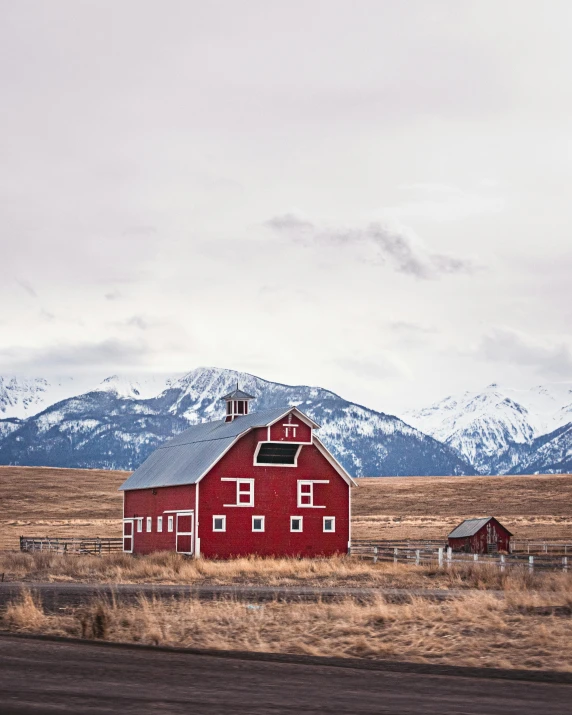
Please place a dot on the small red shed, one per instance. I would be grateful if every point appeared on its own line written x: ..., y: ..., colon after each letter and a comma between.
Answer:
x: 260, y: 483
x: 480, y: 536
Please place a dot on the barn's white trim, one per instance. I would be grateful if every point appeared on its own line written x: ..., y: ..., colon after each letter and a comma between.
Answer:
x: 309, y: 483
x: 197, y: 540
x: 305, y: 419
x: 239, y: 491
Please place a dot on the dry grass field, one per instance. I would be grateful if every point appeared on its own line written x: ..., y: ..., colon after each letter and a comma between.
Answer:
x: 60, y: 502
x: 38, y: 501
x: 478, y: 629
x: 532, y: 507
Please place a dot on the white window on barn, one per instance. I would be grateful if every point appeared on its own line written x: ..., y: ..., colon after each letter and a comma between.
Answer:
x: 159, y: 524
x: 169, y: 523
x: 306, y: 492
x: 219, y: 522
x: 258, y: 523
x: 140, y: 524
x: 329, y: 524
x: 149, y: 525
x: 244, y: 491
x: 296, y: 523
x: 278, y: 454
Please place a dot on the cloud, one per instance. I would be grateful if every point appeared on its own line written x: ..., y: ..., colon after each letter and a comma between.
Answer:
x: 79, y: 356
x: 508, y: 346
x: 30, y: 290
x: 289, y: 222
x: 392, y: 246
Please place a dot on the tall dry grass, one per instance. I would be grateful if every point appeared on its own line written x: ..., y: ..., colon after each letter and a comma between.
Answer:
x: 343, y: 571
x: 478, y: 629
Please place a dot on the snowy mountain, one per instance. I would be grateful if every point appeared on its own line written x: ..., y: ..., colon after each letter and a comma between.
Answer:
x: 24, y: 396
x: 114, y: 426
x: 499, y: 430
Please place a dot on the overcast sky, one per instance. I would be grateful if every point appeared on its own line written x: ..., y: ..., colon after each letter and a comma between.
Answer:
x: 370, y: 196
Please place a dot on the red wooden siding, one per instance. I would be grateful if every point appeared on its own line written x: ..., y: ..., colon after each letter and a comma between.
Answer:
x: 290, y: 429
x: 493, y: 532
x: 275, y: 498
x: 155, y: 502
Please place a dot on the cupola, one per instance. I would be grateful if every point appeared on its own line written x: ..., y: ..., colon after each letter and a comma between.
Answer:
x: 236, y: 403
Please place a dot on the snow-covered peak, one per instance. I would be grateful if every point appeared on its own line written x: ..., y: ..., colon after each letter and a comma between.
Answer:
x: 138, y: 387
x: 483, y: 425
x: 23, y: 396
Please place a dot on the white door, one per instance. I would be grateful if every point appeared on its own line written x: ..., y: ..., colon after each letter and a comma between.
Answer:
x: 184, y: 533
x: 128, y: 533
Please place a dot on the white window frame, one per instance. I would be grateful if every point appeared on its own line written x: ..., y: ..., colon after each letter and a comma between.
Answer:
x: 310, y: 483
x: 263, y: 519
x: 170, y: 523
x: 139, y: 521
x: 159, y: 524
x: 333, y: 529
x: 301, y: 529
x: 219, y: 516
x: 239, y: 491
x: 149, y: 524
x: 256, y: 463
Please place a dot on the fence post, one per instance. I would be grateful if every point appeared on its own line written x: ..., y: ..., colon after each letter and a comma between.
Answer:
x: 475, y: 557
x: 531, y: 563
x: 565, y: 563
x: 449, y: 556
x: 440, y: 557
x: 417, y: 557
x: 375, y: 554
x: 502, y: 562
x: 395, y: 550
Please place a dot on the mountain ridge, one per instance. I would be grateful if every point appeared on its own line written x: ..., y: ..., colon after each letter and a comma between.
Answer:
x: 105, y: 429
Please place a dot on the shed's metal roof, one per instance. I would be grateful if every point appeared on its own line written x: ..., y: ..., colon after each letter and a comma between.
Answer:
x: 188, y: 456
x: 469, y: 527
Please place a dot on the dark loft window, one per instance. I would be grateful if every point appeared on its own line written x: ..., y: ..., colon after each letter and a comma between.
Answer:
x: 277, y: 453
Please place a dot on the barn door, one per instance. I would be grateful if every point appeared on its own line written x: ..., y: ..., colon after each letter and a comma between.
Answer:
x: 184, y: 533
x: 128, y: 536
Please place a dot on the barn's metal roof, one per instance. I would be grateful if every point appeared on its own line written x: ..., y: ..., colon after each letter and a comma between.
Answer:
x: 469, y: 527
x: 185, y: 458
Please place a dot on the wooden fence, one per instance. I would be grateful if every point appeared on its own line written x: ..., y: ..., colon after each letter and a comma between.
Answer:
x: 94, y: 546
x: 444, y: 557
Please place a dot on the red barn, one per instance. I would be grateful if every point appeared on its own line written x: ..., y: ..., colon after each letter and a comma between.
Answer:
x: 260, y: 483
x: 480, y: 536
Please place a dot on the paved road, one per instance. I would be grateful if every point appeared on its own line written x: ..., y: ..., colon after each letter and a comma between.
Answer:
x: 42, y: 676
x: 61, y: 595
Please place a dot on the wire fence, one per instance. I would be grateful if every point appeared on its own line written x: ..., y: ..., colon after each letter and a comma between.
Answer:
x: 443, y: 557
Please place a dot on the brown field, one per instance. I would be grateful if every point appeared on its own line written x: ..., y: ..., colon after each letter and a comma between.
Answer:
x: 532, y: 507
x: 528, y: 627
x: 75, y: 502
